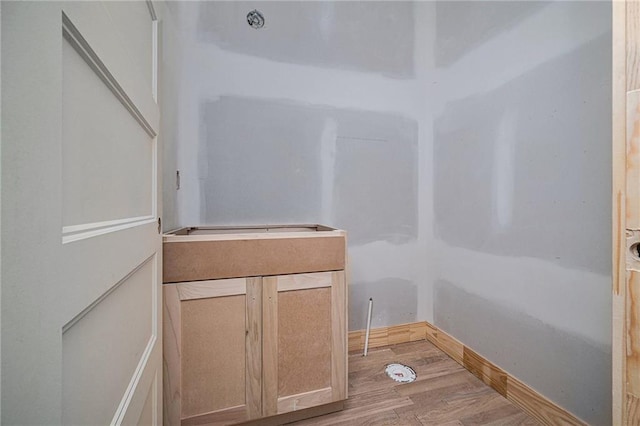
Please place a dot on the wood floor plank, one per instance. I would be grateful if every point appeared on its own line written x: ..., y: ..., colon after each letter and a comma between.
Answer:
x: 387, y: 396
x: 518, y: 419
x: 495, y: 416
x: 446, y: 399
x: 387, y: 417
x: 460, y: 409
x: 427, y: 401
x: 408, y: 419
x: 434, y: 384
x: 354, y: 416
x: 471, y: 393
x: 444, y: 394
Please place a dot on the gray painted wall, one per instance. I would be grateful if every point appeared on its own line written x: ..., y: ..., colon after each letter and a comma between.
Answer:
x: 463, y: 145
x: 522, y: 178
x: 321, y: 116
x: 170, y: 79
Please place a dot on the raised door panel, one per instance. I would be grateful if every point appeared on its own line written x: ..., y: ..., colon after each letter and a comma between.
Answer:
x: 211, y: 367
x: 118, y: 330
x: 304, y: 349
x: 108, y: 165
x: 129, y: 49
x: 304, y: 345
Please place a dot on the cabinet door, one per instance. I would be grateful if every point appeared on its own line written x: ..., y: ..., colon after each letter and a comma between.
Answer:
x: 304, y: 341
x: 213, y: 335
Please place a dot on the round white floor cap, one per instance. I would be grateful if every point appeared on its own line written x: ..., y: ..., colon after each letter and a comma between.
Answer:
x: 400, y: 373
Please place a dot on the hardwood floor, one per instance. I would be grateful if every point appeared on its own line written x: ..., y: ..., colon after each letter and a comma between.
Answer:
x: 444, y: 394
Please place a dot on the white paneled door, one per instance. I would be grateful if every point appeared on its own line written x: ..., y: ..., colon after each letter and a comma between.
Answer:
x: 81, y: 244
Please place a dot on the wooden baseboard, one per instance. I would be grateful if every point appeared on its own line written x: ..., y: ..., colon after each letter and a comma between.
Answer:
x: 386, y: 336
x: 529, y: 400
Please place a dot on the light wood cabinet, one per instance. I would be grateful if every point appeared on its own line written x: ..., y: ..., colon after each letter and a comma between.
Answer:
x: 242, y: 349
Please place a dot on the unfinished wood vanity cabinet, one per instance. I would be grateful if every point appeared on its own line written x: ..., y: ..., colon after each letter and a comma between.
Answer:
x: 242, y: 345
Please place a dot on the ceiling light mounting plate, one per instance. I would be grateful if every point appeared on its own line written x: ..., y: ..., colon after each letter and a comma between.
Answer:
x: 255, y: 19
